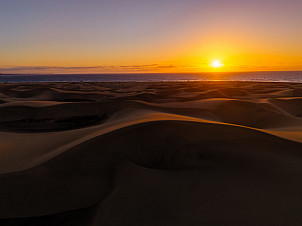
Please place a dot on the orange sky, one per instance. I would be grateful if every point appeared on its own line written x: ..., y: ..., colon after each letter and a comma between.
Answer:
x: 149, y: 36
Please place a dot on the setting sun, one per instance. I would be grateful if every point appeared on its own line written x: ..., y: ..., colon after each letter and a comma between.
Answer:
x: 216, y: 64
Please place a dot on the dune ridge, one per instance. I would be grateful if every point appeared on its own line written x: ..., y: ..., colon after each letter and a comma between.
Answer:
x: 166, y: 153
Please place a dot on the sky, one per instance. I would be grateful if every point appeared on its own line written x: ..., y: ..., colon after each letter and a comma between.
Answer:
x: 127, y: 36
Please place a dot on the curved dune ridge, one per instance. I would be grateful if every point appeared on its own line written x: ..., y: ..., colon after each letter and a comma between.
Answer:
x: 173, y: 153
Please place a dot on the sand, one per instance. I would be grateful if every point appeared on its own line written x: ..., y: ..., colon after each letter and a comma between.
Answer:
x: 166, y: 153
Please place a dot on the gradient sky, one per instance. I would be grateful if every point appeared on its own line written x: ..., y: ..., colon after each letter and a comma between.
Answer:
x: 92, y: 36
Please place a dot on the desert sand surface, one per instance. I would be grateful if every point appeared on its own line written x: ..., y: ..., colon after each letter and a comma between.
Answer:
x: 165, y: 153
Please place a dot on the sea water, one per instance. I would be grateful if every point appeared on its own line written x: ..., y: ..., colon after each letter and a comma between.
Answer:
x: 275, y: 76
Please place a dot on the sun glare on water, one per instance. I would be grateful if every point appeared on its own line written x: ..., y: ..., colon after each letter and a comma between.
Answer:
x: 216, y: 64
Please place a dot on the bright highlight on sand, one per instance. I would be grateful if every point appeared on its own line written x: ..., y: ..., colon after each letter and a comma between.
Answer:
x: 216, y: 64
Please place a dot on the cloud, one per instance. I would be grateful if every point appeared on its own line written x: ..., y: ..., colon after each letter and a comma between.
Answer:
x: 90, y: 69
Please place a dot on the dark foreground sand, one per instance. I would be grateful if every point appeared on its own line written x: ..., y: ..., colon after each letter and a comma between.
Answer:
x: 195, y: 153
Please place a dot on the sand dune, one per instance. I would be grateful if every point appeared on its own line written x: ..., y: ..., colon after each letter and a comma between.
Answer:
x: 195, y: 153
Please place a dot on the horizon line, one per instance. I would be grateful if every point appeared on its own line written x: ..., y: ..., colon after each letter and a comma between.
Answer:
x: 128, y: 73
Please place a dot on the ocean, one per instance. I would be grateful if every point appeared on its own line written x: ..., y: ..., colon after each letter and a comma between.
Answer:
x: 275, y: 76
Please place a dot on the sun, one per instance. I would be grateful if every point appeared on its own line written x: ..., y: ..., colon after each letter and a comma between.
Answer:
x: 216, y: 64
